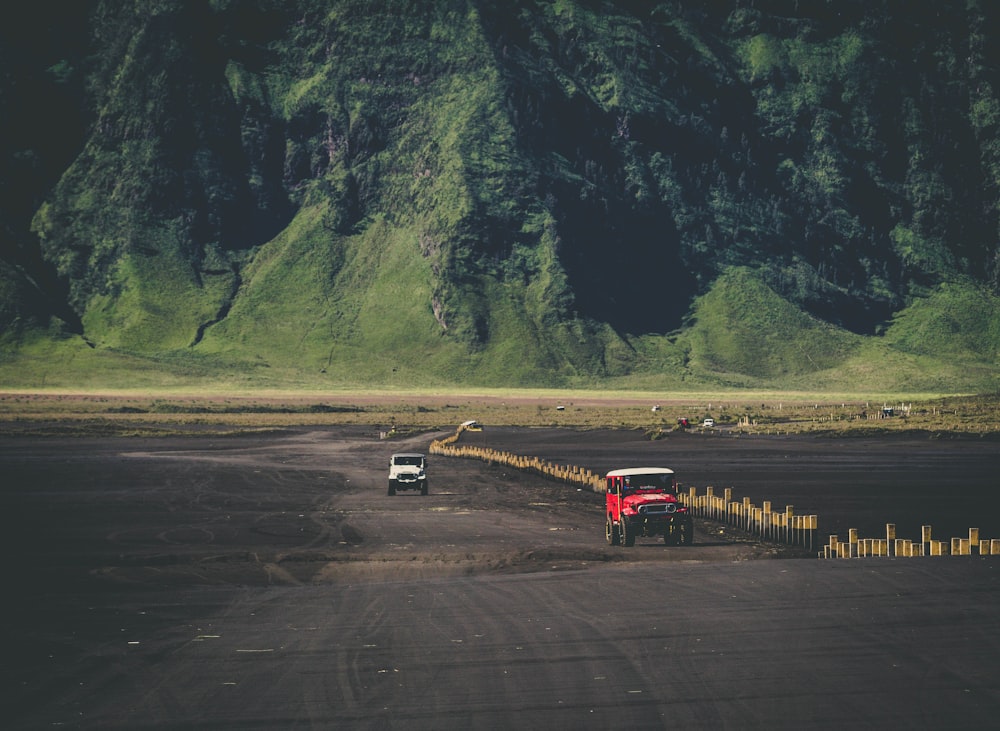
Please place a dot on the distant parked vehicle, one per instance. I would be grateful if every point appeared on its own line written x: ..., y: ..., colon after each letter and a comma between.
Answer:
x: 708, y: 423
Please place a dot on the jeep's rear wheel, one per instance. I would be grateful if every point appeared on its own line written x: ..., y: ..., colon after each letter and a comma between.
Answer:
x: 611, y: 532
x: 392, y: 487
x: 628, y: 534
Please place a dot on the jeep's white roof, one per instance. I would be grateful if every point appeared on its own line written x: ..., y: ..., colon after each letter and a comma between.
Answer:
x: 406, y: 454
x: 640, y: 471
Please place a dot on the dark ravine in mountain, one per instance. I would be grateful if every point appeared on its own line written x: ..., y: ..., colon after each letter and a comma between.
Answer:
x: 768, y: 193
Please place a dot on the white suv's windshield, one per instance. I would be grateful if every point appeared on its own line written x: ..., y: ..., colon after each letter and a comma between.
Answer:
x: 411, y: 461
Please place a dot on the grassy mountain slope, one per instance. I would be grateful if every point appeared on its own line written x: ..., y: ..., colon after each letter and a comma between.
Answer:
x: 424, y: 192
x: 743, y: 326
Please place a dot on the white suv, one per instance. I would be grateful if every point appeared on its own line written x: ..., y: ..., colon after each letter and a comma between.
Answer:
x: 407, y: 471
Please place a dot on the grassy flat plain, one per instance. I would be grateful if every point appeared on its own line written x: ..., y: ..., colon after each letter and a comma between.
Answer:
x: 110, y: 412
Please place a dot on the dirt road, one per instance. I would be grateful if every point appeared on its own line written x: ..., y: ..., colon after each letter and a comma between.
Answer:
x: 270, y: 582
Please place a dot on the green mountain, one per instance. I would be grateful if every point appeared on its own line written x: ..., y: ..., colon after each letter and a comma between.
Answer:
x: 776, y: 193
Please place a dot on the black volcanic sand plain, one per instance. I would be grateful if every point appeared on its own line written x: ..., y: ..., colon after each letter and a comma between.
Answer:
x: 269, y: 582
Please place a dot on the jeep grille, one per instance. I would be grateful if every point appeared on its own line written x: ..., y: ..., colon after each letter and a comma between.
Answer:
x: 654, y: 508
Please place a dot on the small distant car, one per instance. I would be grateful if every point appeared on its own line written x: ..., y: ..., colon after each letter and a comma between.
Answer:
x: 708, y: 422
x: 408, y: 471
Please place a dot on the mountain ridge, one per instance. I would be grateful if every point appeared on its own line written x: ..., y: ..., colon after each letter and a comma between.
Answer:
x: 521, y: 193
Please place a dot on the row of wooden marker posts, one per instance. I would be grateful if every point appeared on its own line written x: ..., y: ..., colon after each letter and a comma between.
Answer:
x: 778, y: 527
x: 856, y: 547
x: 801, y: 530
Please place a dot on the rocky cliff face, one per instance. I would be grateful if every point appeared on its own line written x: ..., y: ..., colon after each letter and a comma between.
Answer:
x: 522, y: 191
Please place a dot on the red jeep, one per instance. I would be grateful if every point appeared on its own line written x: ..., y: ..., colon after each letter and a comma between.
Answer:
x: 642, y: 501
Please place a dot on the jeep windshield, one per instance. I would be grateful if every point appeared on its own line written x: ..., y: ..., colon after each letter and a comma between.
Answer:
x: 411, y: 461
x: 649, y: 482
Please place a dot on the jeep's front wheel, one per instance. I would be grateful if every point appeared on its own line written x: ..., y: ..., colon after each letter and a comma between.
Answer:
x: 687, y: 535
x: 611, y: 532
x: 423, y: 488
x: 628, y: 533
x: 392, y: 487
